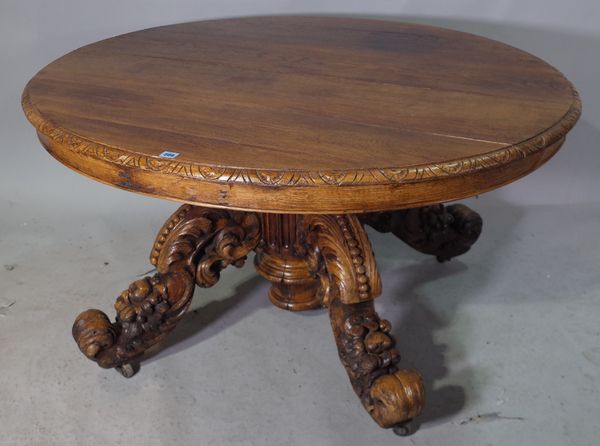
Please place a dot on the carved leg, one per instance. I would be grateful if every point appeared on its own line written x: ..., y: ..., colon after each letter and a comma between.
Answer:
x: 340, y: 254
x: 444, y: 232
x: 193, y: 246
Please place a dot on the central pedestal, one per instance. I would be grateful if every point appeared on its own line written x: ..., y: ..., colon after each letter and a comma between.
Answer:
x: 281, y: 258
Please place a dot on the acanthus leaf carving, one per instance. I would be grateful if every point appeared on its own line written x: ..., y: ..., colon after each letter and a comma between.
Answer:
x: 192, y: 247
x: 443, y: 231
x: 340, y: 254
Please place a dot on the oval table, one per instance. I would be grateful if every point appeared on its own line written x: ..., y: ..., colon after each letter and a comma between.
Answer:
x: 286, y: 136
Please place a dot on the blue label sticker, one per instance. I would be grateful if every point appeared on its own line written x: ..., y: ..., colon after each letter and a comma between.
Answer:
x: 170, y: 155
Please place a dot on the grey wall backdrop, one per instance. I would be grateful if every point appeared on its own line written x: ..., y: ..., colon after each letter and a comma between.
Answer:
x: 506, y: 336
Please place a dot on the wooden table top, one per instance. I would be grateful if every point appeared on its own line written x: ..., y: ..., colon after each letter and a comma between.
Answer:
x: 302, y: 114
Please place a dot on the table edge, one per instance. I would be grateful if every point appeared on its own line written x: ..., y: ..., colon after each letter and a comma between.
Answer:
x: 306, y: 178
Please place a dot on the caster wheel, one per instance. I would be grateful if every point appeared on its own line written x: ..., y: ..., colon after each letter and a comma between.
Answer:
x: 404, y: 429
x: 128, y: 370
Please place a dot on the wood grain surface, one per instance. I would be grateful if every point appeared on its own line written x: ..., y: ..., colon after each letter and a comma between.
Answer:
x: 302, y: 114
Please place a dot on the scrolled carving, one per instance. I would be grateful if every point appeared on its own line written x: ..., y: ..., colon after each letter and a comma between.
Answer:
x: 367, y: 351
x: 396, y: 397
x: 192, y: 247
x: 94, y: 331
x: 443, y: 231
x: 341, y: 256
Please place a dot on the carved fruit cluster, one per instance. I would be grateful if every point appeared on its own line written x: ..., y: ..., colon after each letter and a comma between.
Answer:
x: 142, y: 307
x: 369, y: 346
x: 367, y: 350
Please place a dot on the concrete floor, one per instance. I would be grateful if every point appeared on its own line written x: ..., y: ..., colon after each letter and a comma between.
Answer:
x: 507, y: 338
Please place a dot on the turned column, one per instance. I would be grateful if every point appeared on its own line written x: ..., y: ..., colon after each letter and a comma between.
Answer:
x: 281, y: 259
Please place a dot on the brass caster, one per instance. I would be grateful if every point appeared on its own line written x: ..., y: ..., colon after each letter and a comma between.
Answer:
x: 404, y: 429
x: 128, y: 369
